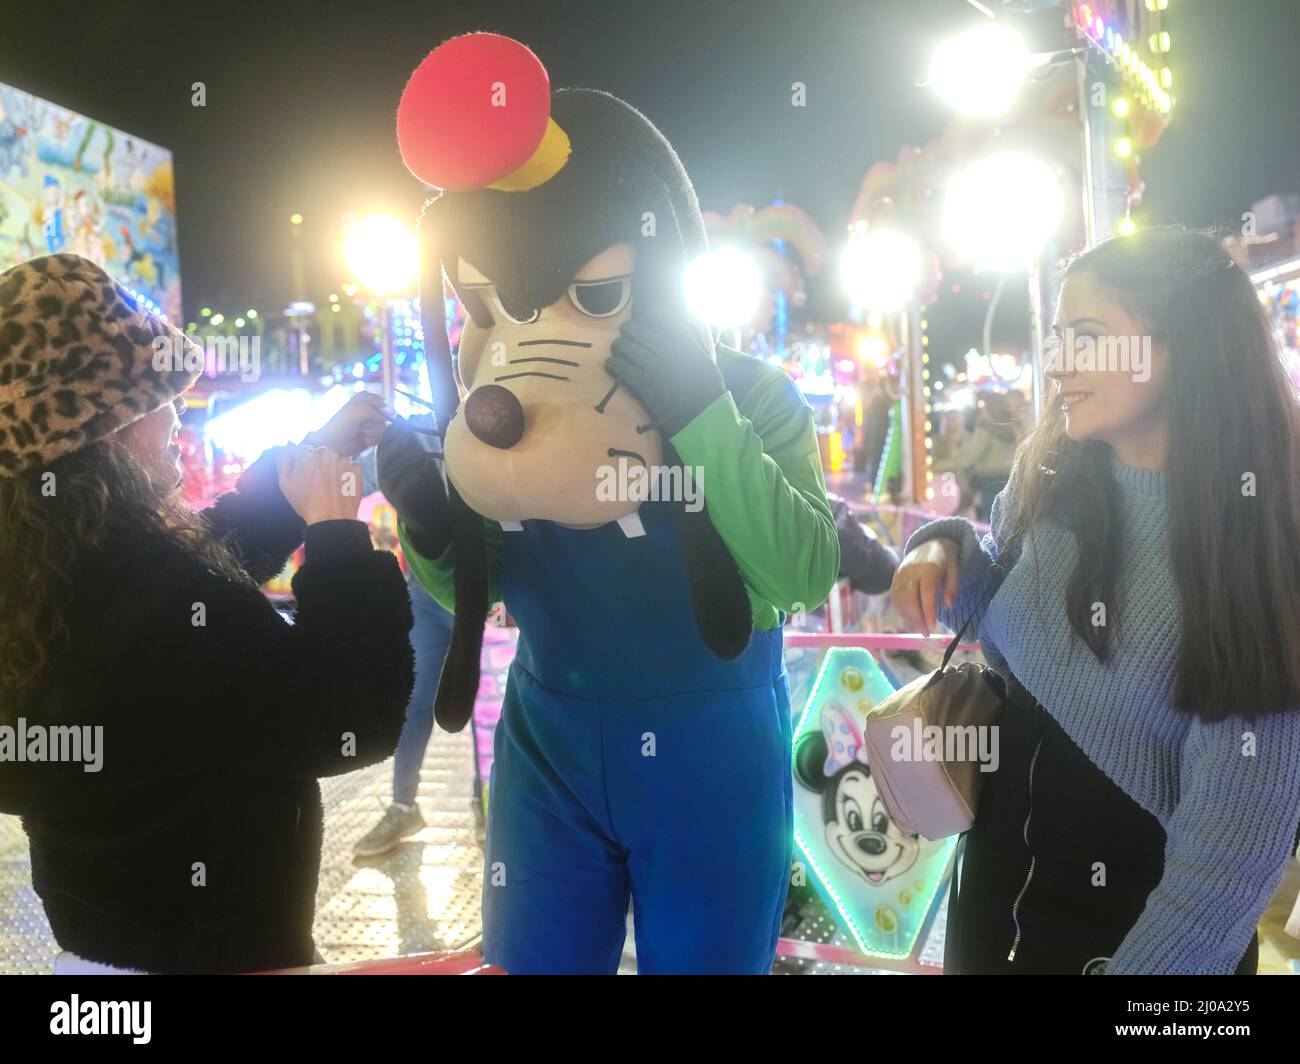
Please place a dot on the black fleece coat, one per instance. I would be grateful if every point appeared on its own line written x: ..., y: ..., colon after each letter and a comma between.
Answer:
x: 196, y: 848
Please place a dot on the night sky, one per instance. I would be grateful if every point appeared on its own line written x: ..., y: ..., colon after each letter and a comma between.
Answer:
x: 301, y: 99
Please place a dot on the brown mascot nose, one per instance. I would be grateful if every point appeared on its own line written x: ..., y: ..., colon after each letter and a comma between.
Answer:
x: 495, y: 416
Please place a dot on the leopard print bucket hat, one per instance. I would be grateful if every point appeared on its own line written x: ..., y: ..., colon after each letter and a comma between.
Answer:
x: 78, y: 360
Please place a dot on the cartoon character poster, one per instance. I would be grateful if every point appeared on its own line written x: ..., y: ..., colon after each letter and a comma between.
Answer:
x: 69, y: 183
x: 882, y: 883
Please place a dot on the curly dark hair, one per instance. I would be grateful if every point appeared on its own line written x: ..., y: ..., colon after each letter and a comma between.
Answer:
x: 49, y: 519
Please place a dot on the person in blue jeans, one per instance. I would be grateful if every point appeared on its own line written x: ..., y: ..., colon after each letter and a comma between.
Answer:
x: 430, y: 637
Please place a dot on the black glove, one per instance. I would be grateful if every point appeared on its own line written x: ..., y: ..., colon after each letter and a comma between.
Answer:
x: 668, y: 368
x: 409, y: 479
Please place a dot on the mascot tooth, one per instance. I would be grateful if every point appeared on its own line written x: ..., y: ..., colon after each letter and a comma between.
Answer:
x: 644, y: 743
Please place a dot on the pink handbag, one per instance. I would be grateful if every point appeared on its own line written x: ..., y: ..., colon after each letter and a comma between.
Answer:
x: 929, y: 780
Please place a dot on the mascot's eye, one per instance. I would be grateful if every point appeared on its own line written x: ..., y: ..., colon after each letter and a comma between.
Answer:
x: 601, y: 299
x: 879, y: 819
x: 500, y: 308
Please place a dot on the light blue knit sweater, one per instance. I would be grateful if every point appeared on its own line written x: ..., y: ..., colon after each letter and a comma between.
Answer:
x: 1227, y: 794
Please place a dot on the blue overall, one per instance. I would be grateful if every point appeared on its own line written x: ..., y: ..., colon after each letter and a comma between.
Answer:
x: 632, y: 762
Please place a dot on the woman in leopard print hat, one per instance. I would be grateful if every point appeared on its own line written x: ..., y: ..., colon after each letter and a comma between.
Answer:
x: 78, y: 359
x: 190, y: 840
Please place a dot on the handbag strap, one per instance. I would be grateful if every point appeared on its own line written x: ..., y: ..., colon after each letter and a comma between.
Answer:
x: 952, y: 647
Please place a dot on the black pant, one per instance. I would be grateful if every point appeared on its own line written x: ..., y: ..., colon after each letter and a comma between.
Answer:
x: 1081, y: 827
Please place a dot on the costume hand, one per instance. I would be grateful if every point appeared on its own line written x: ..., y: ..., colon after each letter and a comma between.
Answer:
x: 410, y: 481
x: 665, y: 366
x: 357, y: 426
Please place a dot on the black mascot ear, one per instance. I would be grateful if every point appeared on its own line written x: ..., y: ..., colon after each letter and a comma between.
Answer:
x: 458, y: 687
x: 663, y: 251
x: 719, y: 598
x: 810, y: 761
x: 433, y: 320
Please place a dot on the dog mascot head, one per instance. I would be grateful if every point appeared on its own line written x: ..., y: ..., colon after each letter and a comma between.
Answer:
x: 559, y: 216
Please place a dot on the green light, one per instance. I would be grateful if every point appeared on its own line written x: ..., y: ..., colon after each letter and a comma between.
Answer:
x: 206, y: 312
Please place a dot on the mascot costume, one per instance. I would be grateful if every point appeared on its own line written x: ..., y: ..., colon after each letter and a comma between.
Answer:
x: 646, y: 504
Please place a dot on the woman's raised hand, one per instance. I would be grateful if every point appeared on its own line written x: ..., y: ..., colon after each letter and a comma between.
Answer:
x: 320, y: 484
x: 925, y: 573
x: 358, y: 425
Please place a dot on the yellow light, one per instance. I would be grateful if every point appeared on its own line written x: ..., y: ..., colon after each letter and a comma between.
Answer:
x: 1127, y: 227
x: 381, y: 253
x: 295, y: 219
x: 871, y: 350
x: 1166, y: 77
x: 1120, y: 107
x: 239, y: 323
x: 253, y: 315
x: 217, y: 319
x: 1124, y: 147
x: 334, y: 307
x: 836, y: 449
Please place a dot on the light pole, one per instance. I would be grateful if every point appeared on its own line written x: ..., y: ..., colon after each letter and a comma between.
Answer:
x: 381, y: 253
x: 880, y: 270
x: 999, y: 213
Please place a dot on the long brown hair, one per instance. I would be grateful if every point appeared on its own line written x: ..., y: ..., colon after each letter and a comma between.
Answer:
x: 45, y: 535
x: 1235, y: 557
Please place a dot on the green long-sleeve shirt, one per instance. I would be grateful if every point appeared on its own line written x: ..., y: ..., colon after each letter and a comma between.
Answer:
x: 763, y: 483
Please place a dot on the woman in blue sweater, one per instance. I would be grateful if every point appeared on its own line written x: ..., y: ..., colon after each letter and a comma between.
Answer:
x: 1140, y: 590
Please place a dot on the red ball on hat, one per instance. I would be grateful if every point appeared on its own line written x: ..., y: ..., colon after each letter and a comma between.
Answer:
x: 474, y: 111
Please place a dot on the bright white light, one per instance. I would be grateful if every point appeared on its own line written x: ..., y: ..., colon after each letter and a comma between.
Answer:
x: 1000, y: 211
x: 880, y: 270
x: 274, y: 417
x: 381, y: 253
x: 979, y: 72
x: 723, y: 287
